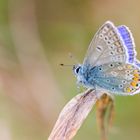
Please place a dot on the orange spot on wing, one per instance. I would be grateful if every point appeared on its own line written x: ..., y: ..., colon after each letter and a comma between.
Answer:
x: 136, y: 75
x: 133, y: 84
x: 128, y: 89
x: 129, y: 67
x: 135, y: 71
x: 136, y: 79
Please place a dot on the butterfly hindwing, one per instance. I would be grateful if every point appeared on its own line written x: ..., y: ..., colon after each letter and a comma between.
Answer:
x: 106, y: 46
x: 119, y: 78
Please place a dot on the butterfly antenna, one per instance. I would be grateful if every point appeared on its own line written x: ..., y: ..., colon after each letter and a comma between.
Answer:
x: 70, y: 65
x: 73, y: 57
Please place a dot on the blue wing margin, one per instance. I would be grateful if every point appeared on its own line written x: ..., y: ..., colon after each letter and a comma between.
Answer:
x: 128, y: 41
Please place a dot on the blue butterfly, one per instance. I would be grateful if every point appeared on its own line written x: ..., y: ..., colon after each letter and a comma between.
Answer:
x: 110, y: 64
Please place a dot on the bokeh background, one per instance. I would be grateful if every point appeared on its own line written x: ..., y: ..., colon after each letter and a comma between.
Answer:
x: 35, y: 37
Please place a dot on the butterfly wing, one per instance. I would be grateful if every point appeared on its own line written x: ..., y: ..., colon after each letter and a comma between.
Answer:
x: 128, y: 40
x: 137, y: 63
x: 106, y: 46
x: 119, y: 78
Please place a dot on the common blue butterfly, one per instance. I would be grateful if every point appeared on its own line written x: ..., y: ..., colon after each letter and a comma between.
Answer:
x: 110, y: 64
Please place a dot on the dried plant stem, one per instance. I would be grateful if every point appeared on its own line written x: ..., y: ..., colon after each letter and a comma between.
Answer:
x: 73, y: 115
x: 105, y: 104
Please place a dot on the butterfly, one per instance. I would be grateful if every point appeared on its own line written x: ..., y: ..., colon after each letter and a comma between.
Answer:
x: 110, y: 64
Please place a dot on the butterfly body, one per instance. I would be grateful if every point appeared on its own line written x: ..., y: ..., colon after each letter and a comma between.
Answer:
x: 110, y: 64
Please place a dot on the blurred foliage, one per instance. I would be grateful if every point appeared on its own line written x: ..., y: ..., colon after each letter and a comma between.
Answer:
x: 35, y: 37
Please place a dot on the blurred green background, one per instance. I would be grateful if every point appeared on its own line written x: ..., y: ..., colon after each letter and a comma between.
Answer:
x: 35, y: 37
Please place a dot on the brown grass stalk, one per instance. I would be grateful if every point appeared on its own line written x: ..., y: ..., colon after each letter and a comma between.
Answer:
x: 73, y: 115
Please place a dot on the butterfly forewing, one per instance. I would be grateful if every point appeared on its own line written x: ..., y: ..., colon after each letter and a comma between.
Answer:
x: 106, y: 46
x: 128, y: 40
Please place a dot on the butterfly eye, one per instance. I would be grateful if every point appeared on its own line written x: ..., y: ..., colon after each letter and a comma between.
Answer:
x: 77, y: 70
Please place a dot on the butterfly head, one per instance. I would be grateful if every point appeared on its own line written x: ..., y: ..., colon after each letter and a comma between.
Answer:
x: 76, y: 69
